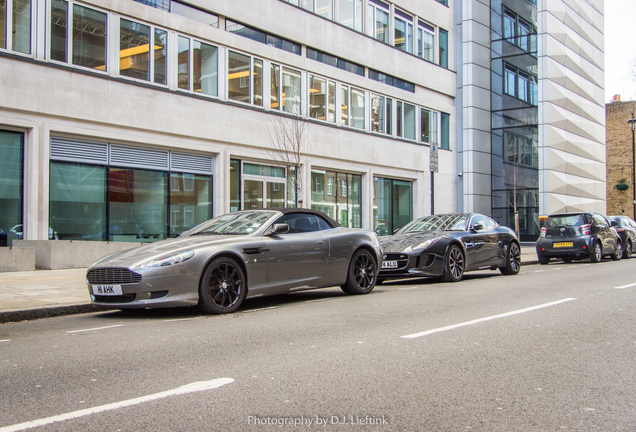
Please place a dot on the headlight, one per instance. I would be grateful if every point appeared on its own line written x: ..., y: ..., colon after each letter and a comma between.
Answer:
x: 170, y: 259
x: 421, y: 246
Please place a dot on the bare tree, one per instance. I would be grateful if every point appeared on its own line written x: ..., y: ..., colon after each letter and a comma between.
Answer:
x: 288, y: 138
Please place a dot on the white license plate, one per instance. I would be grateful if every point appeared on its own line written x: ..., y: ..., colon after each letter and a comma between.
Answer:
x: 389, y: 264
x: 106, y: 290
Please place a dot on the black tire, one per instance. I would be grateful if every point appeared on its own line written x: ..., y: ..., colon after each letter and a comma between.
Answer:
x: 543, y: 259
x: 627, y: 251
x: 513, y: 260
x: 454, y: 264
x: 363, y: 273
x: 618, y: 253
x: 597, y: 253
x: 379, y: 281
x: 567, y: 259
x: 223, y: 287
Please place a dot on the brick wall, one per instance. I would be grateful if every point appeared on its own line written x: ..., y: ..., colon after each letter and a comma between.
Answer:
x: 619, y: 157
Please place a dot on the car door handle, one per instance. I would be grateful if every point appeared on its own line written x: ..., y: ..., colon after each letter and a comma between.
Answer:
x: 320, y: 242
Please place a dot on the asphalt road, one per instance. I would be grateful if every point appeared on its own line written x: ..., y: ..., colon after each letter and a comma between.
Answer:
x: 550, y: 349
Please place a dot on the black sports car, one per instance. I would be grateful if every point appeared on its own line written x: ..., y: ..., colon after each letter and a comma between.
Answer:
x: 448, y: 245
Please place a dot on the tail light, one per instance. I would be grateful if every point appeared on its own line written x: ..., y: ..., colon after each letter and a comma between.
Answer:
x: 586, y: 229
x: 543, y: 232
x: 620, y: 229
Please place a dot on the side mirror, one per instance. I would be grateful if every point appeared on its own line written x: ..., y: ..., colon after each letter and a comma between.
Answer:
x: 477, y: 227
x: 614, y: 223
x: 279, y: 228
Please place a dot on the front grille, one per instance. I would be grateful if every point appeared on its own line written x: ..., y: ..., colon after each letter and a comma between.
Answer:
x: 126, y: 298
x: 402, y: 260
x: 112, y: 276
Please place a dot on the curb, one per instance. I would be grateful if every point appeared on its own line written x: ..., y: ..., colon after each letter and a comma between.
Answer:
x: 45, y: 312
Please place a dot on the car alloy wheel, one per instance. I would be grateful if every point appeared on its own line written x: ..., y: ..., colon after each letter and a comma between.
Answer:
x: 597, y: 255
x: 513, y: 260
x: 618, y: 253
x: 627, y: 251
x: 362, y: 274
x: 222, y: 287
x: 454, y: 264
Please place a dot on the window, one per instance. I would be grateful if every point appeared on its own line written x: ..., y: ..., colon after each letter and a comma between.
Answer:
x: 350, y: 14
x: 322, y: 99
x: 445, y: 131
x: 159, y: 4
x: 335, y: 61
x: 391, y: 80
x: 425, y: 125
x: 262, y: 37
x: 426, y: 42
x: 343, y: 202
x: 509, y: 25
x: 409, y: 121
x: 11, y: 183
x: 245, y: 78
x: 403, y: 32
x: 89, y: 38
x: 378, y: 113
x: 378, y: 20
x: 86, y: 46
x: 510, y: 78
x: 392, y: 204
x: 291, y: 91
x: 191, y: 203
x: 521, y: 85
x: 518, y: 31
x: 443, y: 48
x: 16, y: 19
x: 202, y: 77
x: 324, y: 8
x: 344, y: 105
x: 135, y: 60
x: 194, y: 14
x: 274, y: 75
x: 357, y: 108
x: 520, y: 150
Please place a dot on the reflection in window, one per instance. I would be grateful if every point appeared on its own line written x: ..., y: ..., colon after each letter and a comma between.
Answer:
x: 357, y: 108
x: 183, y: 66
x: 510, y: 78
x: 238, y: 77
x: 194, y: 14
x: 258, y: 82
x: 378, y: 22
x: 409, y: 121
x: 11, y: 183
x: 262, y: 37
x: 161, y: 43
x: 291, y: 91
x: 403, y: 33
x: 351, y: 14
x: 392, y: 205
x: 378, y: 118
x: 137, y: 203
x: 89, y: 38
x: 274, y: 86
x: 235, y: 185
x: 445, y: 131
x: 134, y: 47
x: 425, y: 125
x: 317, y: 98
x: 334, y: 61
x: 59, y: 15
x: 344, y: 105
x: 3, y: 24
x: 443, y: 48
x: 190, y: 203
x: 341, y: 199
x: 21, y: 30
x: 426, y: 42
x: 204, y: 68
x: 77, y: 209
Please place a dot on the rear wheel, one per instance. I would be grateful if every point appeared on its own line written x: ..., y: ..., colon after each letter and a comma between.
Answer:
x: 618, y: 253
x: 513, y: 260
x: 222, y: 288
x: 543, y: 259
x: 597, y: 253
x: 567, y: 259
x: 454, y: 264
x: 627, y: 251
x: 363, y: 273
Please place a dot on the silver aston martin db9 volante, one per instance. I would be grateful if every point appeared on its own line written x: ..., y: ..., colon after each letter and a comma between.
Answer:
x: 217, y: 264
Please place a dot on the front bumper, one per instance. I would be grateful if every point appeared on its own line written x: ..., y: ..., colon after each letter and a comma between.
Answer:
x: 144, y: 288
x: 413, y: 265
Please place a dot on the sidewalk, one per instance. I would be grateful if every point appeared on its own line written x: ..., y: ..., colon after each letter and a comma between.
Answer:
x: 47, y: 293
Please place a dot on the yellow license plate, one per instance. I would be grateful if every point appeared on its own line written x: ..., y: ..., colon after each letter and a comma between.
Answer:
x: 563, y: 244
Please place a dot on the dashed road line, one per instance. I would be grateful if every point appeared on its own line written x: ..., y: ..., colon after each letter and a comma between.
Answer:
x: 480, y: 320
x: 95, y: 329
x: 625, y: 286
x: 190, y: 388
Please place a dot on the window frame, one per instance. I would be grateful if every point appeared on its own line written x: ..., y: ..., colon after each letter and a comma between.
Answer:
x: 151, y: 59
x: 251, y: 79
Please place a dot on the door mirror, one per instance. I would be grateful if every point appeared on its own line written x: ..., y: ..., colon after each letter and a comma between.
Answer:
x: 614, y: 223
x: 279, y: 228
x: 477, y: 227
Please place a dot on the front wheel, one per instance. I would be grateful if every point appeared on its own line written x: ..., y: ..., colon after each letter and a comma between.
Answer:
x: 363, y: 273
x: 454, y: 264
x: 222, y: 288
x: 618, y: 253
x: 513, y: 260
x: 597, y: 253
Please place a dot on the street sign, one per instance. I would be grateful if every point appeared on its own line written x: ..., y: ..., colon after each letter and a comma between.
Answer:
x: 434, y: 166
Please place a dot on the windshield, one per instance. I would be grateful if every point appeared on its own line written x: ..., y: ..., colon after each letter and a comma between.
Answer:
x: 449, y: 222
x: 565, y: 220
x: 232, y: 224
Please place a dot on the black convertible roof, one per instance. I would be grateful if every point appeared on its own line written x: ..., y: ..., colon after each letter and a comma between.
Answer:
x: 287, y: 210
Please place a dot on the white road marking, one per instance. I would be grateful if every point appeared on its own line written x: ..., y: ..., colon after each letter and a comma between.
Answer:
x: 480, y: 320
x: 93, y: 329
x: 261, y: 309
x: 625, y: 286
x: 190, y: 388
x: 558, y: 268
x: 5, y: 340
x: 539, y: 271
x: 317, y: 300
x: 409, y: 288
